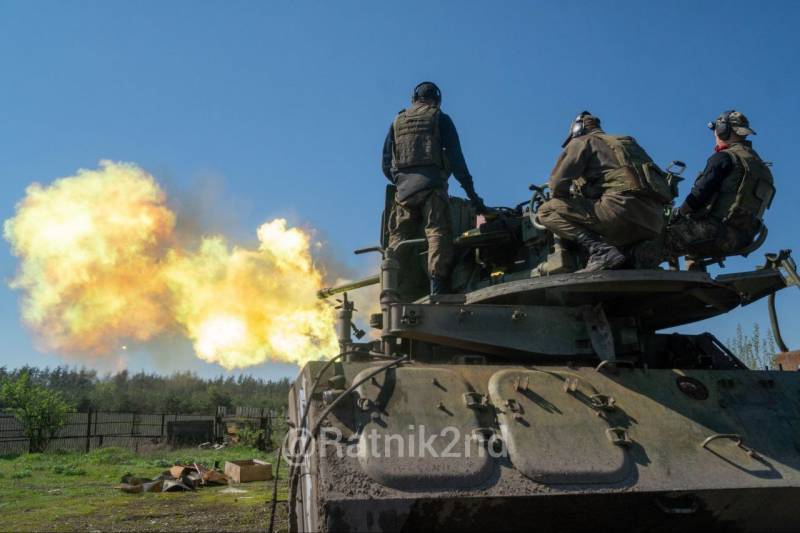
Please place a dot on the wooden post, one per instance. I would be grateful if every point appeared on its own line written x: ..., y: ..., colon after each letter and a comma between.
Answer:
x: 88, y: 430
x: 162, y: 426
x: 266, y: 433
x: 218, y: 436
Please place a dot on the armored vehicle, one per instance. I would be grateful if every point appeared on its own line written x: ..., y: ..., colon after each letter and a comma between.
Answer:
x: 554, y: 403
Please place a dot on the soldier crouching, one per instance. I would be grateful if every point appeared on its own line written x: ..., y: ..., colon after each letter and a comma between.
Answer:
x: 606, y: 192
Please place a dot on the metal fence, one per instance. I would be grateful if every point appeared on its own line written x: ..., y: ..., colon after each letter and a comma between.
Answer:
x: 96, y: 429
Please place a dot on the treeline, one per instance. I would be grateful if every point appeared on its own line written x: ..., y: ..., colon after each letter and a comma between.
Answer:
x: 182, y: 392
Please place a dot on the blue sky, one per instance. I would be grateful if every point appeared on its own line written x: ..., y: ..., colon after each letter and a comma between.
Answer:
x: 246, y: 111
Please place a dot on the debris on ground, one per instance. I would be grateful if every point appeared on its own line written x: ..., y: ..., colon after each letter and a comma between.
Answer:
x: 177, y: 478
x: 232, y: 490
x: 248, y: 470
x: 211, y: 445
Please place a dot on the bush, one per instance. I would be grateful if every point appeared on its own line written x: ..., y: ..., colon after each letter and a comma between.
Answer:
x: 21, y: 473
x: 41, y: 412
x: 252, y: 438
x: 69, y: 470
x: 110, y: 456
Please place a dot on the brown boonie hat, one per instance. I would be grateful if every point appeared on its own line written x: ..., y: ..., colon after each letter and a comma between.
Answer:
x: 740, y: 124
x: 736, y: 120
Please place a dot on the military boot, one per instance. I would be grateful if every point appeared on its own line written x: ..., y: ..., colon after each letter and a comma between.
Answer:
x: 602, y: 256
x: 560, y: 261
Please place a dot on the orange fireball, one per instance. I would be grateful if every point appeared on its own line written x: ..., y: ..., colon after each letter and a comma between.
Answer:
x: 99, y: 264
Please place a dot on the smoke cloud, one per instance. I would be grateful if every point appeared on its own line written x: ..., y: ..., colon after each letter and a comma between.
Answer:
x: 100, y: 265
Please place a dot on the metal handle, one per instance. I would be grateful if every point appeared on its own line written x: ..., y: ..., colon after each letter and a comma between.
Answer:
x: 474, y: 400
x: 618, y: 436
x: 602, y: 402
x: 738, y: 440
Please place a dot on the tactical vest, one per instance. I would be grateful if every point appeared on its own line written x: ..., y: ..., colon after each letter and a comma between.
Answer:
x: 417, y: 140
x: 636, y: 173
x: 747, y: 192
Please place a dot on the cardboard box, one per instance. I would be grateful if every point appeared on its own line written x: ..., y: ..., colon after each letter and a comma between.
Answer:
x: 178, y: 470
x: 248, y: 470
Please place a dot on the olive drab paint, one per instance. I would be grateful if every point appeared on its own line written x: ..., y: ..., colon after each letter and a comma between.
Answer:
x: 522, y: 397
x: 608, y: 185
x: 747, y: 192
x: 417, y: 140
x: 637, y: 172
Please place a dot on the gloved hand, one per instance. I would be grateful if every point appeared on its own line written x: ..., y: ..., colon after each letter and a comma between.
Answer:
x: 477, y: 203
x: 475, y: 200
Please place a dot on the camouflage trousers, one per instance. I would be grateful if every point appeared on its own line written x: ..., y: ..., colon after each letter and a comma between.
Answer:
x: 705, y: 237
x: 426, y: 213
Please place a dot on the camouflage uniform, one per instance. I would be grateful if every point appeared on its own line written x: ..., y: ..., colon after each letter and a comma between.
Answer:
x: 723, y: 213
x: 705, y: 237
x: 612, y: 208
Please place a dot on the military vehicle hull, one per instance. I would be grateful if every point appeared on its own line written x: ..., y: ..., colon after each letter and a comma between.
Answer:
x: 574, y: 447
x: 487, y: 422
x: 554, y: 403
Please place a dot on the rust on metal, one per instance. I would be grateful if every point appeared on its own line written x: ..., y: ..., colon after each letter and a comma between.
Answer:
x: 788, y: 360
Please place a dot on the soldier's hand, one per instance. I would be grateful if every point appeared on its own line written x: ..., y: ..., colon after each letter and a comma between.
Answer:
x: 477, y: 203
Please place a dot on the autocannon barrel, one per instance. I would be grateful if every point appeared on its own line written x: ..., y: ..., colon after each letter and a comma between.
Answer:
x: 330, y: 291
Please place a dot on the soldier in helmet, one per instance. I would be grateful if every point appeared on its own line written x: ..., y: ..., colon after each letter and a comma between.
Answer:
x: 420, y: 152
x: 606, y: 192
x: 723, y: 212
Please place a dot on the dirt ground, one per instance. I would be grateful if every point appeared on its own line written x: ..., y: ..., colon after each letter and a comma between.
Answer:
x: 180, y: 512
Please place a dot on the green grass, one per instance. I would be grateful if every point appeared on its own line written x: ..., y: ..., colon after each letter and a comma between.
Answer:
x: 76, y: 491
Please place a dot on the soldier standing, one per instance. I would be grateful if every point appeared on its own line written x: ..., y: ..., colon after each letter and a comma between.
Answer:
x: 605, y: 192
x: 724, y: 211
x: 420, y: 152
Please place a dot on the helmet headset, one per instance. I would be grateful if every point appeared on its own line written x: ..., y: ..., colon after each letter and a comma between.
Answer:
x: 423, y: 89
